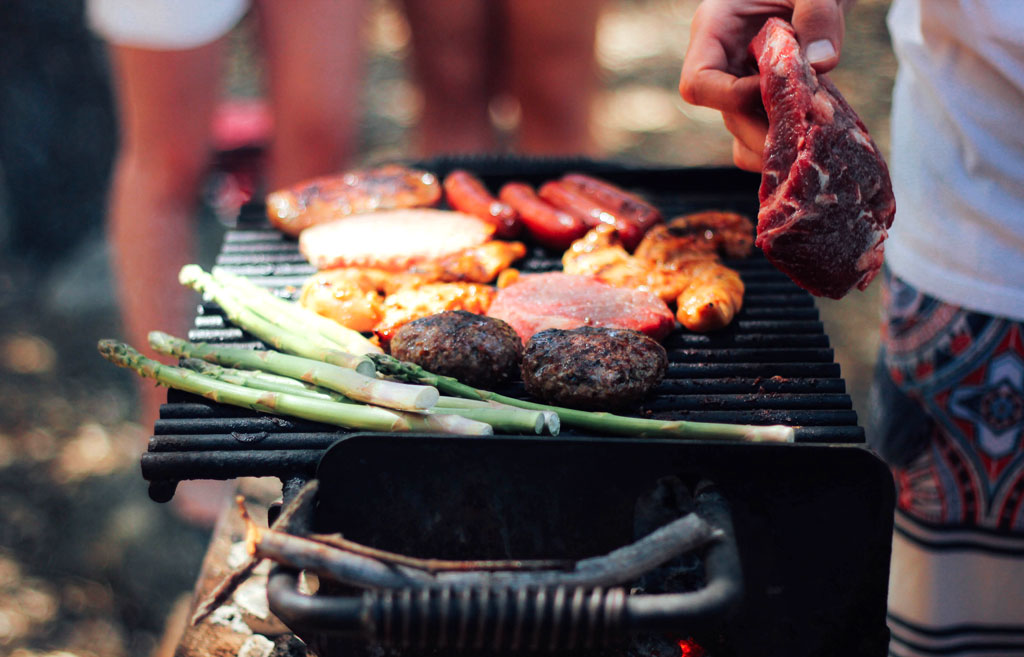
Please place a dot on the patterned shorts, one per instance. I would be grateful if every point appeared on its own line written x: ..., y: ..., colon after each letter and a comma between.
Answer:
x: 947, y: 412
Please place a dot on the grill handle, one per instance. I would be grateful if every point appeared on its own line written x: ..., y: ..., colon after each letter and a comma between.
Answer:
x: 546, y: 618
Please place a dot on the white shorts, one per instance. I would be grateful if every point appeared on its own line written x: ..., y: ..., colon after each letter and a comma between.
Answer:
x: 164, y: 24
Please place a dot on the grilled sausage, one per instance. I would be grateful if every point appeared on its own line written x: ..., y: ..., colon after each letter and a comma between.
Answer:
x: 619, y: 202
x: 467, y: 193
x: 548, y: 225
x: 592, y: 368
x: 323, y: 199
x: 568, y: 198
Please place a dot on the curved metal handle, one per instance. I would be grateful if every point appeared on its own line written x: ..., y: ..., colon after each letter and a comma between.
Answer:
x: 511, y: 618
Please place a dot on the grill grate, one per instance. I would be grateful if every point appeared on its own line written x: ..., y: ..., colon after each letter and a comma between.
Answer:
x: 773, y: 365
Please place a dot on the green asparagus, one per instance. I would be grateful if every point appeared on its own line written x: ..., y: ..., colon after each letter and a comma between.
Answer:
x: 351, y: 416
x: 350, y: 383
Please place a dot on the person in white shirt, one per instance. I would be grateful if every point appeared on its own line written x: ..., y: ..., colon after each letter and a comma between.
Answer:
x: 947, y: 408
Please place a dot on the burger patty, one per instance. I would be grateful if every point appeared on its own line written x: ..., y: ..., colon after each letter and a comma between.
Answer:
x: 592, y: 368
x: 477, y: 350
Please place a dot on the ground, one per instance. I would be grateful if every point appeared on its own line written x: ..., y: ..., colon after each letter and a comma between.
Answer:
x: 88, y: 564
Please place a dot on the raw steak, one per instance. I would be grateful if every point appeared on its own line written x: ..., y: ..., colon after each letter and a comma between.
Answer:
x: 826, y: 197
x: 537, y: 302
x: 394, y: 240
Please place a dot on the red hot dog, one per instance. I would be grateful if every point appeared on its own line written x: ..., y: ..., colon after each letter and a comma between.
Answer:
x: 548, y: 225
x: 467, y: 193
x: 568, y: 198
x: 618, y: 201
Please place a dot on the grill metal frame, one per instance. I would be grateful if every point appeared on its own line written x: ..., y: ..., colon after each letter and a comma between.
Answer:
x: 773, y: 365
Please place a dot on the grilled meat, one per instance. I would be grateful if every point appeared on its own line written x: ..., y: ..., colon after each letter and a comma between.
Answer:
x: 412, y: 303
x: 467, y: 193
x: 349, y: 296
x: 631, y: 214
x: 395, y: 240
x: 545, y: 223
x: 727, y: 234
x: 481, y: 351
x: 476, y: 264
x: 535, y: 302
x: 712, y: 296
x: 328, y: 198
x: 707, y: 294
x: 592, y: 368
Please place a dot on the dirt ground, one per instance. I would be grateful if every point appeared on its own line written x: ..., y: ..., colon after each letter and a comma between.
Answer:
x: 89, y: 566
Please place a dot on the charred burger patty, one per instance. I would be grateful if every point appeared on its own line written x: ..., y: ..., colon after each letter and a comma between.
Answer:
x: 478, y: 350
x: 592, y: 368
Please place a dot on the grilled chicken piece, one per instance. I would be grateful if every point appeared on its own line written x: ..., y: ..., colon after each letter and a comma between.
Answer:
x: 354, y: 296
x: 413, y: 303
x: 328, y: 198
x: 712, y: 296
x: 712, y: 232
x: 477, y: 264
x: 707, y: 293
x: 600, y: 253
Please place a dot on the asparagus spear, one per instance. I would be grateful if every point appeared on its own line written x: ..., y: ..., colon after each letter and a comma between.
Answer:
x: 290, y: 336
x: 591, y: 421
x: 287, y: 313
x: 261, y: 380
x: 507, y: 419
x: 351, y: 416
x: 340, y: 379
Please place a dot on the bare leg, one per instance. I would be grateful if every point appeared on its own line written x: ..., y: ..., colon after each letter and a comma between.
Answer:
x: 314, y: 64
x: 552, y: 71
x: 166, y: 99
x: 450, y: 41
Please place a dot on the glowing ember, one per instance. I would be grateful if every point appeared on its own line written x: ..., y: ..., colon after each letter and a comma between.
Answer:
x: 690, y: 648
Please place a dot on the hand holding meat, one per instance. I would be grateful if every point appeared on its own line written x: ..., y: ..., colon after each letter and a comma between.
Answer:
x: 826, y: 198
x: 717, y: 72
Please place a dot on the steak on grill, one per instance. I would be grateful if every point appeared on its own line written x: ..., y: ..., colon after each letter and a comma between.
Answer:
x: 826, y: 198
x: 536, y: 302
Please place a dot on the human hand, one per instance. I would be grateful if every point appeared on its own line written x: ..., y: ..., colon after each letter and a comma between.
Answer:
x: 718, y: 72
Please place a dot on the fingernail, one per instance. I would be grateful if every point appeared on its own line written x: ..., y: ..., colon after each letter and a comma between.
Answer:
x: 820, y: 50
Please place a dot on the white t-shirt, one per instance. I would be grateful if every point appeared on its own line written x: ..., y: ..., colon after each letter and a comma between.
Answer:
x: 957, y: 158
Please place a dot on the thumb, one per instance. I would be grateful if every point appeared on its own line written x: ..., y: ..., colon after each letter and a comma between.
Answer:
x: 819, y: 27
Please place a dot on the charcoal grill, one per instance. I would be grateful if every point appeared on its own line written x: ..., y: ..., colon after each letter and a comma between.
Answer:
x: 812, y: 521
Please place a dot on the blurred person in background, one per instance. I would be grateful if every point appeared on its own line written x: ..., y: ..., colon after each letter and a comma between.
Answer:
x: 470, y: 58
x: 167, y: 60
x: 947, y: 407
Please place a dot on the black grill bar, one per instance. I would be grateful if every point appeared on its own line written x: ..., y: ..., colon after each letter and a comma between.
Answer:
x: 773, y: 364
